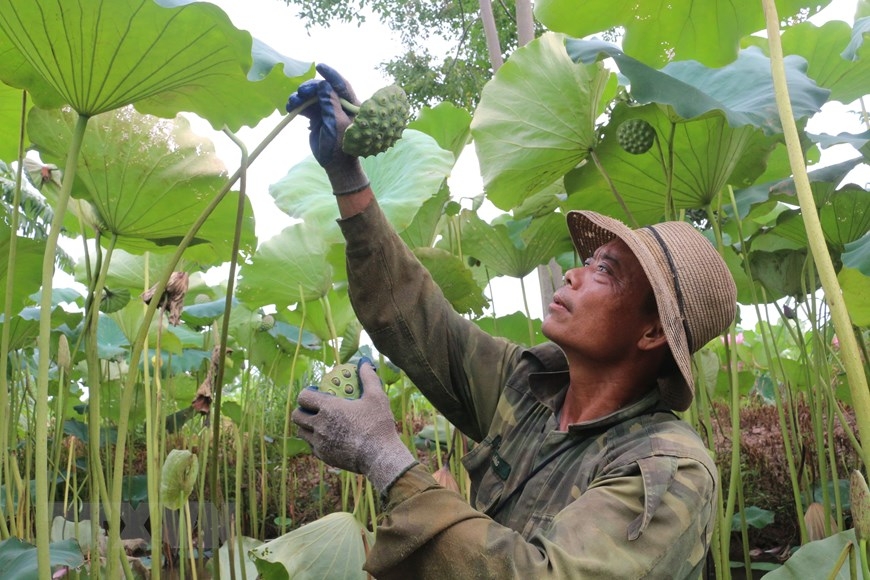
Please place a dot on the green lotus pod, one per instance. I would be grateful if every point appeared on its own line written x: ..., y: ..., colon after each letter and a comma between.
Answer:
x: 201, y: 299
x: 860, y: 496
x: 178, y: 478
x: 342, y: 381
x: 635, y: 136
x: 266, y: 323
x: 378, y: 123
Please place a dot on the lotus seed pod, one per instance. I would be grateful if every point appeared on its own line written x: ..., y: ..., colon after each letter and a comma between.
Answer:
x: 266, y: 323
x: 63, y: 356
x: 342, y: 381
x: 860, y: 496
x: 379, y: 123
x: 635, y: 136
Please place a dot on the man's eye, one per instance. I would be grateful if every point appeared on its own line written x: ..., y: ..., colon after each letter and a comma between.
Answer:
x: 587, y: 261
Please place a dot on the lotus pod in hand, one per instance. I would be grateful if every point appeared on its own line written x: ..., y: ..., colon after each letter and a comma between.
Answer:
x: 342, y: 381
x: 635, y: 136
x: 378, y: 124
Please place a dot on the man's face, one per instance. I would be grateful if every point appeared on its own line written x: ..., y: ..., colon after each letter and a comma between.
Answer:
x: 604, y: 308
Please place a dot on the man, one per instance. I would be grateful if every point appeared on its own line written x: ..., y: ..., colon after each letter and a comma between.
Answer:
x: 581, y: 469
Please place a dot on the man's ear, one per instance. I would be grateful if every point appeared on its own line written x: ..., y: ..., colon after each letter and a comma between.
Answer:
x: 653, y: 337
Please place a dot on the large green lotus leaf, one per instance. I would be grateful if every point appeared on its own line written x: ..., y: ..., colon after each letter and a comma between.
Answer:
x: 819, y: 559
x: 744, y: 285
x: 165, y: 57
x: 455, y: 280
x: 274, y: 362
x: 127, y: 321
x: 514, y: 248
x: 10, y: 119
x: 845, y: 216
x: 286, y: 268
x: 857, y: 255
x: 147, y: 178
x: 514, y: 327
x: 18, y: 559
x: 742, y: 90
x: 856, y: 140
x: 846, y: 76
x: 204, y: 313
x: 660, y: 31
x: 708, y: 154
x: 133, y: 271
x: 316, y: 318
x: 422, y: 230
x: 782, y: 273
x: 536, y: 119
x: 856, y: 295
x: 403, y: 178
x: 111, y: 393
x: 823, y: 182
x: 332, y: 547
x: 859, y: 31
x: 240, y: 546
x: 448, y: 124
x: 28, y: 268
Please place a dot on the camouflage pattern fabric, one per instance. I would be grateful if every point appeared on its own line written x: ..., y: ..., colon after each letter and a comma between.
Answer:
x: 630, y: 495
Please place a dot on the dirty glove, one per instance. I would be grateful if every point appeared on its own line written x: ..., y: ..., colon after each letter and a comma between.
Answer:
x: 328, y: 124
x: 357, y: 435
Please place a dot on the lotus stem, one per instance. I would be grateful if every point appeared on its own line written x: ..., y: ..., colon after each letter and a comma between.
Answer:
x: 7, y: 315
x: 632, y: 222
x: 136, y: 351
x: 44, y: 346
x: 833, y: 293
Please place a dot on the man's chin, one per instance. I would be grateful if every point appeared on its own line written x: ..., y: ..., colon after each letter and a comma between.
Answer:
x: 544, y: 328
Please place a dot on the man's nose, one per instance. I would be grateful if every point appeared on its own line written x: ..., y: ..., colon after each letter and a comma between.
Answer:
x: 572, y: 277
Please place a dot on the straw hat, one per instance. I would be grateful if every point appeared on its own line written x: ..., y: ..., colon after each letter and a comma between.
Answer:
x: 695, y: 293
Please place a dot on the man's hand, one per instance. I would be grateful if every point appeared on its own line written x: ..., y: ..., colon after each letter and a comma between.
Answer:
x: 328, y: 122
x: 357, y: 435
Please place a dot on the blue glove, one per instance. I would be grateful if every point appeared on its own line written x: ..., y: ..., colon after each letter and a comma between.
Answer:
x: 328, y: 122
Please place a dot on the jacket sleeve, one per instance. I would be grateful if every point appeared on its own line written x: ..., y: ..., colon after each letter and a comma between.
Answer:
x: 646, y: 521
x: 456, y: 365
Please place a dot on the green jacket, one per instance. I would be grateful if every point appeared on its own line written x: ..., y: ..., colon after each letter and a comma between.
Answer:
x: 630, y: 495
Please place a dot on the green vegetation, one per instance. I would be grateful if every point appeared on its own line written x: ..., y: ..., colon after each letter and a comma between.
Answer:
x: 143, y: 387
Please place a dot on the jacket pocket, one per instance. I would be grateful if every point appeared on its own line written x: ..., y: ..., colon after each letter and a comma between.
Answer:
x: 486, y: 486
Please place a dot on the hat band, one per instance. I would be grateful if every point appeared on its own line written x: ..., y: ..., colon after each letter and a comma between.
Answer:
x: 676, y: 278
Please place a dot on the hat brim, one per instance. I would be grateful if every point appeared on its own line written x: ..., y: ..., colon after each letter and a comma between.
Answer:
x: 589, y: 231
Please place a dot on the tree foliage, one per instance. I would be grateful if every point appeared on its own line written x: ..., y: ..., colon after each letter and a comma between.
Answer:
x: 455, y: 73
